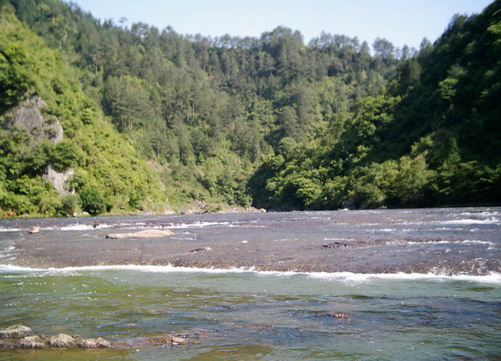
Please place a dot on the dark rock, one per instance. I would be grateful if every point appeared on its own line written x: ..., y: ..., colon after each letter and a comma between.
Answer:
x: 339, y: 315
x: 336, y: 245
x: 201, y: 249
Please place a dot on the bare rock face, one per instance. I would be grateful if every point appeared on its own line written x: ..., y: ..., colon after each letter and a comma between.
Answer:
x: 29, y: 116
x: 59, y: 179
x: 16, y: 331
x: 147, y: 233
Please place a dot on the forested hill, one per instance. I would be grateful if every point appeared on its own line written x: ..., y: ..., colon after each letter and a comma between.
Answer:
x: 269, y: 121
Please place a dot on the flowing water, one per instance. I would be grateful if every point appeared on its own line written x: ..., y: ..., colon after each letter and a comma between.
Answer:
x: 244, y: 313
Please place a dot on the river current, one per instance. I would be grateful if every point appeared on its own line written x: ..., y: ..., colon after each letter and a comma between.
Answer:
x: 413, y: 284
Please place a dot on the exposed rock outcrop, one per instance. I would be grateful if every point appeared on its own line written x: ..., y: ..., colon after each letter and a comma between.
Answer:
x: 28, y: 115
x: 59, y: 179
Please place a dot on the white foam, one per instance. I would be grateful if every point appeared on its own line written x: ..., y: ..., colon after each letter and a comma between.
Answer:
x: 197, y: 224
x: 77, y: 227
x: 444, y: 241
x: 492, y: 277
x: 484, y: 214
x: 491, y: 220
x: 475, y: 241
x: 10, y: 229
x: 135, y: 225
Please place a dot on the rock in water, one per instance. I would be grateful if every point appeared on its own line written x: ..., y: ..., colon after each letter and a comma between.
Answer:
x: 34, y: 229
x: 16, y: 331
x: 340, y: 315
x: 62, y: 340
x: 92, y: 342
x: 148, y: 233
x: 33, y: 342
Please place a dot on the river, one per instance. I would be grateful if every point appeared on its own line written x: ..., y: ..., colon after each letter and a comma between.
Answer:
x: 413, y: 284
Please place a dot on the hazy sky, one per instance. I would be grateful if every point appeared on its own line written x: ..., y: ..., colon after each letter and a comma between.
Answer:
x: 399, y: 21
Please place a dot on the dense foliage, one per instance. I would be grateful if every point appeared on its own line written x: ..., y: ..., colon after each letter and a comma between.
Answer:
x: 100, y: 157
x: 432, y: 138
x: 265, y: 120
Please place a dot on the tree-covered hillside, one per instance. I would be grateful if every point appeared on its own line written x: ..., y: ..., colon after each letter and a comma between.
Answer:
x: 52, y: 130
x: 269, y: 120
x: 432, y: 137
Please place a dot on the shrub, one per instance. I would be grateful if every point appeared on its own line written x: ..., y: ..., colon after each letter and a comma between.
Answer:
x: 69, y: 205
x: 64, y: 155
x: 92, y: 201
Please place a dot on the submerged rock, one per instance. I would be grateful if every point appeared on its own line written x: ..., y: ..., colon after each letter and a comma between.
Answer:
x: 167, y: 339
x: 148, y: 233
x: 201, y: 249
x: 339, y: 315
x: 16, y: 331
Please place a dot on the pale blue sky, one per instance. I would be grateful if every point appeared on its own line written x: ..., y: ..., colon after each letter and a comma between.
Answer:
x: 399, y: 21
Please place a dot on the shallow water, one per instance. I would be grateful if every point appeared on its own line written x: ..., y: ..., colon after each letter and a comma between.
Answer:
x: 253, y: 315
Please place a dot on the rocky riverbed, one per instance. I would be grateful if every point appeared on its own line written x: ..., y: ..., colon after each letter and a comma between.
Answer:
x: 460, y: 241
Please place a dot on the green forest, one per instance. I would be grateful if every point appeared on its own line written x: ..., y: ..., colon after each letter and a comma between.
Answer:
x: 109, y: 118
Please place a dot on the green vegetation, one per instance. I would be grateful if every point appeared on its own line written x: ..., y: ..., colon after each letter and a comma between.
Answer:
x: 101, y: 158
x: 151, y: 117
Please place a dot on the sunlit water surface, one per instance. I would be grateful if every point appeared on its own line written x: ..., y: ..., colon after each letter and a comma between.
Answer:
x: 248, y: 315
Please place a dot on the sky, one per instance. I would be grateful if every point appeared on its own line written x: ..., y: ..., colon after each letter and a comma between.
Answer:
x: 399, y: 21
